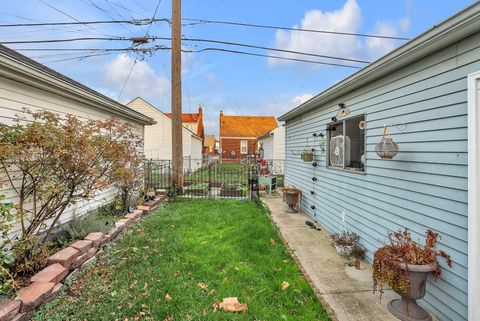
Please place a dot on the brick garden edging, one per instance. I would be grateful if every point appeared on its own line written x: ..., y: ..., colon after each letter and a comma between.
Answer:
x: 47, y: 283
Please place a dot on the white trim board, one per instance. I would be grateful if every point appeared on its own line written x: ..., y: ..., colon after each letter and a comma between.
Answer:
x: 473, y: 197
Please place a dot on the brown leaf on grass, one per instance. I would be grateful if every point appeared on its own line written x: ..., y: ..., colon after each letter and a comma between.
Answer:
x: 190, y: 273
x: 213, y: 292
x: 145, y: 286
x: 176, y: 273
x: 272, y: 241
x: 168, y: 318
x: 168, y: 297
x: 138, y: 316
x: 203, y: 286
x: 237, y: 269
x: 232, y: 305
x: 277, y: 269
x: 204, y: 312
x: 133, y: 284
x: 285, y: 285
x: 216, y: 306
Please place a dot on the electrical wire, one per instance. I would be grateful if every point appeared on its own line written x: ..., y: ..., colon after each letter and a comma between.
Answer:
x: 187, y: 39
x: 242, y: 24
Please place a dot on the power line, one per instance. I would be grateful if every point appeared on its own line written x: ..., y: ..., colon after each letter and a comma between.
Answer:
x: 156, y: 48
x: 71, y: 17
x: 206, y: 21
x: 271, y: 56
x: 233, y: 23
x: 138, y: 53
x: 192, y: 40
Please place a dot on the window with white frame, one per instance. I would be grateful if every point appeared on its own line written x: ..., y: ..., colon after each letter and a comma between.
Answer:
x: 346, y: 144
x: 243, y: 147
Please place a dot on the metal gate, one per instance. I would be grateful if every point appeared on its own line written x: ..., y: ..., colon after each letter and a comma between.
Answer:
x: 237, y: 181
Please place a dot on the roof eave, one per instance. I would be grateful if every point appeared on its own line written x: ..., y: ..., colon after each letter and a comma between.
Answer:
x: 458, y: 26
x: 22, y: 72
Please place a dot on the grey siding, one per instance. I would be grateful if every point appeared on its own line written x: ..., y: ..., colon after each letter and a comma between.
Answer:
x: 425, y: 186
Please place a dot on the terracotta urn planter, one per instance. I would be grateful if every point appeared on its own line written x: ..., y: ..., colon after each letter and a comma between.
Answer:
x: 406, y: 308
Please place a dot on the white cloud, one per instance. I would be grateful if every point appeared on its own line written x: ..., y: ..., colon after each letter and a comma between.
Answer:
x: 214, y: 81
x: 143, y: 81
x: 346, y: 19
x: 279, y: 106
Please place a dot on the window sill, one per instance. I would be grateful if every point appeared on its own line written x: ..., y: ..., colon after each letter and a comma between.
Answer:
x: 362, y: 172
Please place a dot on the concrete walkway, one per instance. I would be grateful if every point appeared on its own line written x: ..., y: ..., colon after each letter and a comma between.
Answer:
x: 346, y: 290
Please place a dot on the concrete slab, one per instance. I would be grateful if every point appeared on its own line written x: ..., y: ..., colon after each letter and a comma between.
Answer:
x: 346, y: 290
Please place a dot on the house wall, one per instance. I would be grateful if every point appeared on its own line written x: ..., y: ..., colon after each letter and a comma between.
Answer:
x: 279, y: 143
x: 267, y: 144
x: 233, y: 144
x: 158, y: 137
x: 424, y: 186
x: 14, y: 97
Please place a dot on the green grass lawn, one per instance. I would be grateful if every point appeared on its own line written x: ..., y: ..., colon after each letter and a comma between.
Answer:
x: 199, y: 252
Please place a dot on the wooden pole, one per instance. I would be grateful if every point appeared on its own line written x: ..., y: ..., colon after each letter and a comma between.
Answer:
x: 177, y: 149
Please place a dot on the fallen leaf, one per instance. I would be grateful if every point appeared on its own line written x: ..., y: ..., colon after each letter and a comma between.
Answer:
x: 213, y: 292
x: 168, y: 297
x: 285, y: 285
x: 203, y: 286
x: 204, y: 312
x: 176, y: 273
x: 169, y: 318
x: 145, y: 286
x: 272, y: 241
x: 215, y: 306
x: 133, y: 284
x: 232, y: 305
x: 237, y: 269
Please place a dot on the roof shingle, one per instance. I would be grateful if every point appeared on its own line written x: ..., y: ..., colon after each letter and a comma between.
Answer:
x: 246, y: 126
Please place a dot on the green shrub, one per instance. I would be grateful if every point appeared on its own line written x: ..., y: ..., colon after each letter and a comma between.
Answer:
x: 79, y: 227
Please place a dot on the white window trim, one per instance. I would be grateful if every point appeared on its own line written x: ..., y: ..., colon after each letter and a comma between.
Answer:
x: 473, y: 203
x: 242, y: 142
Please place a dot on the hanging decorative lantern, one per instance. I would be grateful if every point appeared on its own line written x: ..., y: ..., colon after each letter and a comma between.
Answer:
x: 386, y: 148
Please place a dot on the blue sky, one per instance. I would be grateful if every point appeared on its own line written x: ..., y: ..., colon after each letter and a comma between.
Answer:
x: 236, y: 84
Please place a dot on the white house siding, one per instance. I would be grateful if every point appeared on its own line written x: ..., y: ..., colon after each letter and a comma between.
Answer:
x: 424, y: 186
x: 267, y: 144
x: 15, y: 96
x: 274, y: 148
x: 158, y: 137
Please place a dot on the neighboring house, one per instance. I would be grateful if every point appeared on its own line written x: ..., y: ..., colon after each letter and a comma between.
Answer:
x: 238, y: 135
x: 158, y: 138
x: 429, y: 90
x: 193, y: 122
x: 210, y: 145
x: 25, y: 83
x: 273, y: 144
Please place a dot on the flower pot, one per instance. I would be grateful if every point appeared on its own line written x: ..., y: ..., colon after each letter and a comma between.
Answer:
x: 290, y: 200
x: 406, y: 308
x: 307, y: 156
x: 344, y: 250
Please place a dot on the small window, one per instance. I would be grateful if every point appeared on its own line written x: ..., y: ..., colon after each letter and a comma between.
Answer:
x: 243, y: 147
x: 346, y: 144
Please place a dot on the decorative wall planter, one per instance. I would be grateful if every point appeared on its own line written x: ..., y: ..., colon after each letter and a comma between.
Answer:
x: 406, y: 308
x: 307, y: 155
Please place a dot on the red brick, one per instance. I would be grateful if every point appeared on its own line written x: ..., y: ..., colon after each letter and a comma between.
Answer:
x: 104, y: 241
x: 65, y: 257
x: 150, y: 194
x: 143, y: 208
x: 134, y: 216
x: 95, y: 237
x: 79, y: 261
x: 113, y: 233
x: 34, y: 295
x: 123, y: 222
x: 23, y: 316
x: 8, y: 309
x: 55, y: 292
x: 91, y: 252
x: 82, y: 246
x: 53, y: 273
x: 88, y: 262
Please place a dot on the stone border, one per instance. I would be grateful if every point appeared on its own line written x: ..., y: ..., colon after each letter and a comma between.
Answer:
x: 47, y: 283
x: 326, y: 306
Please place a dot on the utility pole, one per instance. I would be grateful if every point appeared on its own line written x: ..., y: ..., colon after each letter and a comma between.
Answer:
x: 177, y: 144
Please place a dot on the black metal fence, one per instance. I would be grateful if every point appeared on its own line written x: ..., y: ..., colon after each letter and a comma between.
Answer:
x: 238, y: 181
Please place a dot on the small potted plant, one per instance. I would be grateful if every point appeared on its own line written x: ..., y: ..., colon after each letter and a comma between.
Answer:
x: 307, y: 155
x: 404, y: 265
x: 292, y: 196
x: 344, y: 242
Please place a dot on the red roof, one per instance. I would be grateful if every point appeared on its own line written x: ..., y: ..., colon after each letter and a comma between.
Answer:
x: 246, y: 126
x: 193, y: 118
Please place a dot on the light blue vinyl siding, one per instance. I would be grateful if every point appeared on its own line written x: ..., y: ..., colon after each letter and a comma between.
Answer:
x: 425, y: 186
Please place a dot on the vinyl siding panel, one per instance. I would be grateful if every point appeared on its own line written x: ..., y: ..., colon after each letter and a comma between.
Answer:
x: 14, y: 97
x: 425, y: 186
x: 268, y: 147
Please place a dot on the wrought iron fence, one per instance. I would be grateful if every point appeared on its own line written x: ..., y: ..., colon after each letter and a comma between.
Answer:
x: 238, y: 181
